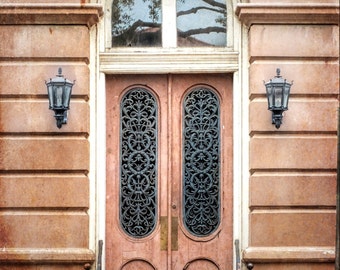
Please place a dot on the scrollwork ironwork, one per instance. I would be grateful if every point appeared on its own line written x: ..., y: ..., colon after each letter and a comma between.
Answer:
x: 201, y: 162
x: 138, y: 158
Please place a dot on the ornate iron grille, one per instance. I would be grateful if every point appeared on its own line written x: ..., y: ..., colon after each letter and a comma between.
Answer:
x: 201, y: 162
x: 138, y: 158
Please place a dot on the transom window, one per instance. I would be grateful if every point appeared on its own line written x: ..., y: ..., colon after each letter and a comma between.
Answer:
x: 168, y: 23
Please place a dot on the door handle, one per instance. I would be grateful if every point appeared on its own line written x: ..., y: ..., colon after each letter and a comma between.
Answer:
x: 174, y: 233
x: 164, y: 233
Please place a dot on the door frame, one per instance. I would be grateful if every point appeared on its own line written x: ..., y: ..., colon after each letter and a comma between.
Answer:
x: 123, y: 61
x: 240, y: 169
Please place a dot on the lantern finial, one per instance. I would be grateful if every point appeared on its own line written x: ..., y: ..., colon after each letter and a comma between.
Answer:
x: 278, y: 71
x: 59, y: 72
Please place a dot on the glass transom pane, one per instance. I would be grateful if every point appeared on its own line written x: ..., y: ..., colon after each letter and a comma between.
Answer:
x: 136, y: 23
x: 201, y: 23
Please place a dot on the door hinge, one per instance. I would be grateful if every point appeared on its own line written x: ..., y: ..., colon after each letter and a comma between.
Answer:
x: 237, y: 252
x: 100, y: 253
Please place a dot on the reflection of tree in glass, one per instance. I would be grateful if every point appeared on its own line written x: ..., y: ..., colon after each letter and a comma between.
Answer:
x: 215, y: 10
x: 138, y: 22
x: 130, y: 29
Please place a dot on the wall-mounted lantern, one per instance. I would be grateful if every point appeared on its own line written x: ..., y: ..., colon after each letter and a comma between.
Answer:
x: 59, y: 91
x: 277, y: 90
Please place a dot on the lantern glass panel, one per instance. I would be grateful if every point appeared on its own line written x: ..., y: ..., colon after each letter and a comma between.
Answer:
x: 67, y: 95
x: 269, y: 89
x: 50, y: 95
x: 58, y: 94
x: 286, y: 95
x: 278, y: 93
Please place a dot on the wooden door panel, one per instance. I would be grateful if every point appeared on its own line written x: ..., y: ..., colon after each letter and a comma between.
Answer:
x: 123, y: 251
x: 170, y: 245
x: 215, y: 249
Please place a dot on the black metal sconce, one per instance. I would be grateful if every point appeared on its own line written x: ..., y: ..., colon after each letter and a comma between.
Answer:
x: 59, y: 91
x: 278, y: 90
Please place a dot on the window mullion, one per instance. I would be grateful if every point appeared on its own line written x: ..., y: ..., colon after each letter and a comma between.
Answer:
x: 169, y: 29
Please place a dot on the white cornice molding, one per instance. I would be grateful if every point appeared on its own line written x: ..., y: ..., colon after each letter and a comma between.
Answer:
x: 250, y: 13
x: 164, y: 61
x: 71, y: 14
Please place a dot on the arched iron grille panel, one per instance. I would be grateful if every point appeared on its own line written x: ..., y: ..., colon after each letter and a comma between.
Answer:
x: 138, y: 162
x: 201, y: 162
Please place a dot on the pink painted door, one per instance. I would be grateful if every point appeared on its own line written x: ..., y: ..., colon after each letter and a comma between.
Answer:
x: 169, y: 172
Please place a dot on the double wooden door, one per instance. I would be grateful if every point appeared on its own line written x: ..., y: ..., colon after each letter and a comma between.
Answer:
x: 169, y: 172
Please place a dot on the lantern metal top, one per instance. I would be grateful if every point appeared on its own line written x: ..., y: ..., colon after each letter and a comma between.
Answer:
x: 60, y: 79
x: 278, y: 79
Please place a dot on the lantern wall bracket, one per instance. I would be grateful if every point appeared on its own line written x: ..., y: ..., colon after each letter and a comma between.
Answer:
x: 277, y: 118
x: 61, y: 117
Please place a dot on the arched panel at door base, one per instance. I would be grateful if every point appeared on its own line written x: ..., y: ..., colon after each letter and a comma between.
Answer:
x: 138, y: 264
x: 201, y: 264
